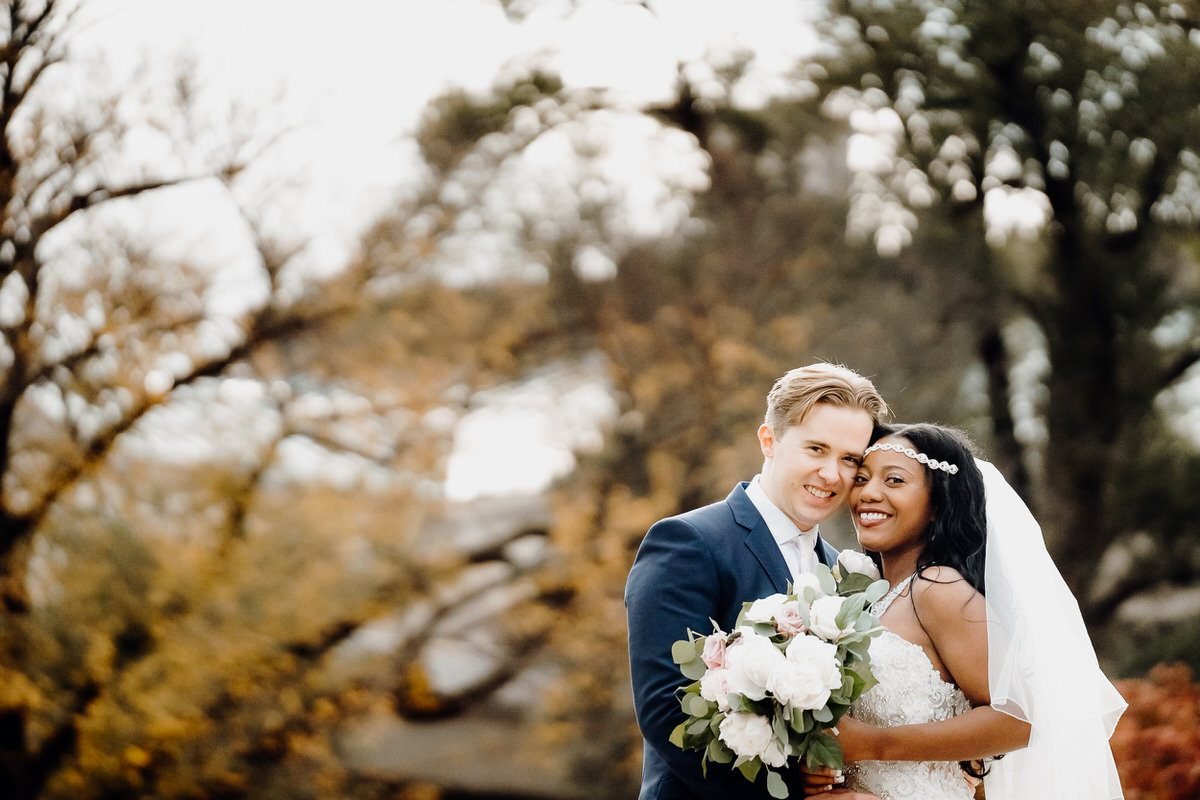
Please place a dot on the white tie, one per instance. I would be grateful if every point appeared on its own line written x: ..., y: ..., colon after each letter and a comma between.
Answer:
x: 805, y: 545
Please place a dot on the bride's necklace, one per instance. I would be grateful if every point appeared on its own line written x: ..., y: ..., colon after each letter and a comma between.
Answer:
x: 880, y: 606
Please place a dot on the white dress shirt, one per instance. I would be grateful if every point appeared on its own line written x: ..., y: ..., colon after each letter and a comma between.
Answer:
x: 799, y: 548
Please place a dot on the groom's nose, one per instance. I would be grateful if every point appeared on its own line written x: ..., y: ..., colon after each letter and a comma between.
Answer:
x: 828, y: 470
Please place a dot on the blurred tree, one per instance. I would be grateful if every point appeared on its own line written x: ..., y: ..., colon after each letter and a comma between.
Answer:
x: 1067, y: 137
x: 215, y: 452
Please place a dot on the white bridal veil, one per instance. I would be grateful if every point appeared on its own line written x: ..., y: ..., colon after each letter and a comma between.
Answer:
x: 1041, y: 665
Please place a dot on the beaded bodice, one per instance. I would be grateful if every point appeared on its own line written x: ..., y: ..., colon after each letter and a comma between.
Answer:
x: 909, y: 691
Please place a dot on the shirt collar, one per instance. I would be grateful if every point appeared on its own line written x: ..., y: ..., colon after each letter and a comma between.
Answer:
x: 783, y: 530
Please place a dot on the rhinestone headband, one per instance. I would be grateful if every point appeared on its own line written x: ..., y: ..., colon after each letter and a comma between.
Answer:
x: 932, y: 463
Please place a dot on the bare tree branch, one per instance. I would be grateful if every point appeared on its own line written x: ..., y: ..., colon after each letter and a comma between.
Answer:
x: 334, y: 445
x: 72, y: 361
x: 47, y: 40
x: 99, y: 195
x: 1176, y: 369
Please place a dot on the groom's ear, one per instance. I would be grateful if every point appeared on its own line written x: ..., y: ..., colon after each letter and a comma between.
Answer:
x: 766, y: 440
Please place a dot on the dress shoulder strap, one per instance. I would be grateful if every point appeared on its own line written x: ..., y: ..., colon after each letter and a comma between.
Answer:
x: 880, y: 606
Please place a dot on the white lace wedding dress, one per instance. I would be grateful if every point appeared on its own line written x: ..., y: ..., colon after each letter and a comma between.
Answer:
x: 910, y: 691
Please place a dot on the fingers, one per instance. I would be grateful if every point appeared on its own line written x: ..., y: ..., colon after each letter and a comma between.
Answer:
x: 822, y: 781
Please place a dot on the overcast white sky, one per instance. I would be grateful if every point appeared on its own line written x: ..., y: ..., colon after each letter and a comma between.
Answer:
x: 359, y: 71
x: 356, y: 74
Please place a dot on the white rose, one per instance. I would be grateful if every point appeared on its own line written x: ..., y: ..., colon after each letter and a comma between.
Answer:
x: 822, y: 618
x: 810, y: 649
x: 807, y: 580
x: 750, y: 661
x: 746, y: 734
x: 854, y: 561
x: 800, y: 685
x: 765, y: 609
x: 774, y: 755
x: 821, y: 672
x: 714, y: 687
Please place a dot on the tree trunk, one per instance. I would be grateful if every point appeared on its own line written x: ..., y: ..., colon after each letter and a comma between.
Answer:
x: 1085, y: 416
x: 1007, y: 452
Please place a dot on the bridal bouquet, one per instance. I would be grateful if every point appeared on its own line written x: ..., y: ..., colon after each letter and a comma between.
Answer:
x: 767, y: 692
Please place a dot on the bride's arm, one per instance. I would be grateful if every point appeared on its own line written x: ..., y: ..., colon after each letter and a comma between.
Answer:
x: 977, y: 734
x: 955, y: 617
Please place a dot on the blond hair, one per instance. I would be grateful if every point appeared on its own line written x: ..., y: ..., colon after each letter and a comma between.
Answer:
x: 796, y: 393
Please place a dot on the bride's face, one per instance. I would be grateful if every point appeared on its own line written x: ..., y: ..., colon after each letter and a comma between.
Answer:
x: 889, y: 501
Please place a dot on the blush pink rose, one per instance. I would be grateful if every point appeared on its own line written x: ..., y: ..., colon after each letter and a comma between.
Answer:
x: 714, y: 651
x: 788, y: 620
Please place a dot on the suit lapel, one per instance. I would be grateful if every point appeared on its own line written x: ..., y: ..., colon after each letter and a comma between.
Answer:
x: 826, y: 553
x: 759, y: 540
x: 762, y: 544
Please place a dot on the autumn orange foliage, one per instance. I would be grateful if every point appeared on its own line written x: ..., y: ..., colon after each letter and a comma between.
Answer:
x: 1157, y: 742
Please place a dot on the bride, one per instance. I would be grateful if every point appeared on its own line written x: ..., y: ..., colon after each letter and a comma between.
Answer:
x: 984, y: 651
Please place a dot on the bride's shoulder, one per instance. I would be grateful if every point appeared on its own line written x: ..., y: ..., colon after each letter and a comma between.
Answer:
x: 940, y: 588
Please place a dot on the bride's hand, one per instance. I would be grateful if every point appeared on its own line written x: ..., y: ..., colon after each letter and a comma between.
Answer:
x: 820, y: 781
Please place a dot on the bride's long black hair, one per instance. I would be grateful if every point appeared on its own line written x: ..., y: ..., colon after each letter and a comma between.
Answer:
x: 957, y: 535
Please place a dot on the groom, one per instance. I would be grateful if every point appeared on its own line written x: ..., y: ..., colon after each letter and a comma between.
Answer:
x: 703, y: 564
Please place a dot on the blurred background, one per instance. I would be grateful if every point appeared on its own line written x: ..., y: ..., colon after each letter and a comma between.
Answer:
x: 350, y: 349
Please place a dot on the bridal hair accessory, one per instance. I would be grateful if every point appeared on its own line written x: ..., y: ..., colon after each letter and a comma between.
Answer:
x: 1041, y: 664
x: 932, y: 463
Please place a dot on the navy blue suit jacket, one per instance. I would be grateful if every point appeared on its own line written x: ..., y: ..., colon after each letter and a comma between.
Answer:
x: 691, y: 568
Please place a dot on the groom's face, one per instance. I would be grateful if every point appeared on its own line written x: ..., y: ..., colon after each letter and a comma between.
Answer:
x: 808, y: 470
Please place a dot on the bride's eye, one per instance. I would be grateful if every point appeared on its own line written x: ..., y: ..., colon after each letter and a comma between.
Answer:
x: 894, y: 480
x: 860, y: 479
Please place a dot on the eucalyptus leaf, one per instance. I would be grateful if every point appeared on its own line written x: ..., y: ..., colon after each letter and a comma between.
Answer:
x: 853, y: 583
x: 741, y: 617
x: 802, y: 721
x: 857, y: 645
x: 738, y: 702
x: 776, y: 786
x: 851, y: 607
x: 823, y: 751
x: 682, y: 651
x: 779, y: 725
x: 766, y: 629
x: 693, y: 669
x: 749, y: 768
x: 877, y: 590
x: 718, y: 752
x: 825, y: 578
x: 697, y: 706
x: 676, y: 737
